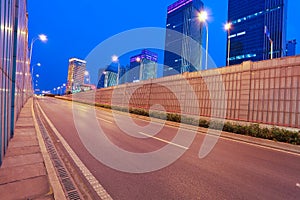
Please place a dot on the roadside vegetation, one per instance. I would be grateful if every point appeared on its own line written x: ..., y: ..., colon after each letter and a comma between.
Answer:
x: 254, y: 130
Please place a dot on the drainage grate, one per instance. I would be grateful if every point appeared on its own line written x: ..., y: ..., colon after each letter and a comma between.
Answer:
x: 73, y: 195
x: 68, y: 184
x: 63, y: 175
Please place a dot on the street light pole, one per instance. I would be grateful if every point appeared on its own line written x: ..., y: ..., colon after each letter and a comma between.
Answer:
x: 41, y: 37
x: 32, y: 76
x: 206, y: 57
x: 115, y: 59
x: 228, y: 27
x: 87, y: 73
x: 271, y: 41
x: 203, y: 16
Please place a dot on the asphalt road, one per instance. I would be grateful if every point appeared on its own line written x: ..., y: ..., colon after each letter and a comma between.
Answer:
x: 232, y: 170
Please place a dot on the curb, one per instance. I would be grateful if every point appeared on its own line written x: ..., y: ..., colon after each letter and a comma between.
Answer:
x: 56, y: 187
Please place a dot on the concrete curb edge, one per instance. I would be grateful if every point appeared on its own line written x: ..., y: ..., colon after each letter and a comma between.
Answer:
x: 54, y: 182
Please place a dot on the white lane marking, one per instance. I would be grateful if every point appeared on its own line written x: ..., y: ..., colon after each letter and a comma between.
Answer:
x: 298, y: 185
x: 80, y: 109
x: 102, y: 193
x: 165, y: 141
x: 104, y: 120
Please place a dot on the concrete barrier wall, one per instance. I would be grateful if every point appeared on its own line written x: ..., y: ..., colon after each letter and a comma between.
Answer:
x: 265, y: 92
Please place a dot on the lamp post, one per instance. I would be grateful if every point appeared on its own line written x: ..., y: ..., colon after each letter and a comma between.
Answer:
x: 64, y: 86
x: 139, y: 60
x: 227, y: 28
x: 203, y: 16
x: 41, y: 37
x: 87, y: 74
x: 58, y: 90
x: 115, y: 59
x: 32, y: 76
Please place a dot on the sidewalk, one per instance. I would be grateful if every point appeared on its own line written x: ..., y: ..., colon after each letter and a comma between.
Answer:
x: 23, y: 174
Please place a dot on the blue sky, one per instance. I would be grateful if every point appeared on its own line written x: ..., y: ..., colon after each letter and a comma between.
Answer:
x: 76, y: 27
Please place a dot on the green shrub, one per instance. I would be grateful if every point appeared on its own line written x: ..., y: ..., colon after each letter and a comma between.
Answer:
x: 215, y: 124
x: 173, y: 117
x: 203, y: 123
x: 189, y: 120
x: 138, y: 111
x: 158, y: 115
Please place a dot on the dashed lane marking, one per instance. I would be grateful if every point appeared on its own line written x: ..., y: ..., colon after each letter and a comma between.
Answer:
x: 104, y: 120
x: 165, y: 141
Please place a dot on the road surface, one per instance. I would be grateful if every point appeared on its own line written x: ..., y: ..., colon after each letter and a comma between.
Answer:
x: 232, y: 170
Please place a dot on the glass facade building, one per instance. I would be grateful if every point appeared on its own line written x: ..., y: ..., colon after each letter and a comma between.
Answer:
x: 76, y: 75
x: 108, y: 77
x: 291, y: 47
x: 15, y: 78
x: 142, y: 67
x: 182, y: 26
x: 254, y: 24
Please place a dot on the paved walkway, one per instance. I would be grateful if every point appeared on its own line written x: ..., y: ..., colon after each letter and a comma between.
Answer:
x: 23, y: 174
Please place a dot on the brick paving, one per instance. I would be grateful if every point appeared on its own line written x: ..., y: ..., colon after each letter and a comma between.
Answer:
x: 23, y: 174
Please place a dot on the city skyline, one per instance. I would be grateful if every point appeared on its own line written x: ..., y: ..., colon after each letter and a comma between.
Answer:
x: 75, y: 36
x: 257, y: 30
x: 221, y: 133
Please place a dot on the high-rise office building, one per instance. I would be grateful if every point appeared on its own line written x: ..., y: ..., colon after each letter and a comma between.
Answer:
x: 142, y: 66
x: 291, y: 48
x: 180, y: 52
x: 255, y: 25
x: 76, y: 74
x: 108, y: 77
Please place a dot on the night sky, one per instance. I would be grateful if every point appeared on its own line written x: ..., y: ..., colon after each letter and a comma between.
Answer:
x: 74, y: 28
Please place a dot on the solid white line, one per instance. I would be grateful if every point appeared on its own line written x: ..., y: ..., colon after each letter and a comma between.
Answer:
x: 165, y: 141
x: 55, y: 184
x: 104, y: 120
x: 84, y: 170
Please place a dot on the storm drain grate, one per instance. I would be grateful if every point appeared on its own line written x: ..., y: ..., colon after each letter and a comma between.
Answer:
x: 63, y: 175
x: 68, y: 184
x: 73, y: 195
x: 57, y: 163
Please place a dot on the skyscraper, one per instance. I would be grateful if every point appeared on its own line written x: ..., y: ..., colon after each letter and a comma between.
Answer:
x: 142, y: 66
x: 255, y: 25
x: 291, y: 47
x: 108, y: 77
x: 76, y: 75
x: 179, y: 51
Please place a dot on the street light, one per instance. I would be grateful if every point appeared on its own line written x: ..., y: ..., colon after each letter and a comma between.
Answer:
x: 32, y: 76
x: 58, y: 88
x: 87, y: 74
x: 203, y: 16
x: 139, y: 60
x: 115, y: 59
x: 42, y: 38
x: 227, y: 28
